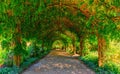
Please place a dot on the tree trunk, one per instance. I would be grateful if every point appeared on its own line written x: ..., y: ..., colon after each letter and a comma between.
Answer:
x: 66, y: 46
x: 81, y: 46
x: 74, y: 47
x: 17, y: 58
x: 43, y: 44
x: 101, y: 50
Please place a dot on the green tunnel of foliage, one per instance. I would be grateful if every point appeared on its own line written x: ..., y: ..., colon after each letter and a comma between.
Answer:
x: 43, y: 22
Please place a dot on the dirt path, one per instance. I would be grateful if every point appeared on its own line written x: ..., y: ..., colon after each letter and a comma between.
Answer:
x: 59, y: 62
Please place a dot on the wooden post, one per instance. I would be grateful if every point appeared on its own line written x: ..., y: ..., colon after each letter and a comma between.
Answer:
x: 101, y: 50
x: 17, y: 57
x: 74, y: 47
x: 43, y: 44
x: 81, y: 45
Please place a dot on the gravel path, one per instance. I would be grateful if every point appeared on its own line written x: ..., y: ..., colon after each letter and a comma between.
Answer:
x: 59, y: 62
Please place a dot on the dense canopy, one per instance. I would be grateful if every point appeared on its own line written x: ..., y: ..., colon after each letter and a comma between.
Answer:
x: 72, y: 21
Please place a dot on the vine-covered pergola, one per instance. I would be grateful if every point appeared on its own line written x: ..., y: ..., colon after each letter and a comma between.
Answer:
x: 48, y: 20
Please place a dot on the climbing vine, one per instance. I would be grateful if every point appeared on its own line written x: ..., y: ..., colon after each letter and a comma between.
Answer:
x: 42, y: 19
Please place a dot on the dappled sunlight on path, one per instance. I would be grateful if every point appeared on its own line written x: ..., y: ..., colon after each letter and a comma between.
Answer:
x: 58, y: 62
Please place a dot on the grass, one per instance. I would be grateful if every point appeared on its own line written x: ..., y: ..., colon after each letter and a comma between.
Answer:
x: 27, y: 60
x: 24, y: 65
x: 109, y: 67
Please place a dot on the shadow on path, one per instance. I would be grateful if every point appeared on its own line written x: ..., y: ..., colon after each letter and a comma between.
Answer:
x: 59, y: 62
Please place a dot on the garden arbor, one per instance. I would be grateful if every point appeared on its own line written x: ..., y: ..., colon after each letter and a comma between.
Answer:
x: 93, y: 21
x: 40, y: 19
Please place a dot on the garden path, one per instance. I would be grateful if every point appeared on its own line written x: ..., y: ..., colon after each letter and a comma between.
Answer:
x: 59, y: 62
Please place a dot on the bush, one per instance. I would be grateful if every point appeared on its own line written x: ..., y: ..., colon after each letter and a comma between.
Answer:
x: 112, y: 67
x: 6, y: 57
x: 9, y: 70
x: 92, y: 61
x: 34, y: 53
x: 27, y: 63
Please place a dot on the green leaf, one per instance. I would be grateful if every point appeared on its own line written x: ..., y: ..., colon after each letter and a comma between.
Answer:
x: 91, y: 1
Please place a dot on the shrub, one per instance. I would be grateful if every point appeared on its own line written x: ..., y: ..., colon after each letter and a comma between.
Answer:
x: 9, y: 70
x: 92, y: 61
x: 6, y: 57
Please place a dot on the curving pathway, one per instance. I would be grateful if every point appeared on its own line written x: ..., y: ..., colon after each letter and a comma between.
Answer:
x: 59, y: 62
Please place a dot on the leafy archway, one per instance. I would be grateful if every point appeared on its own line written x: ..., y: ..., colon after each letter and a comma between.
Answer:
x: 39, y: 20
x: 57, y: 44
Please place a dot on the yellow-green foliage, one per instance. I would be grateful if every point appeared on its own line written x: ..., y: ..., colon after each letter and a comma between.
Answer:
x: 113, y: 52
x: 2, y: 52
